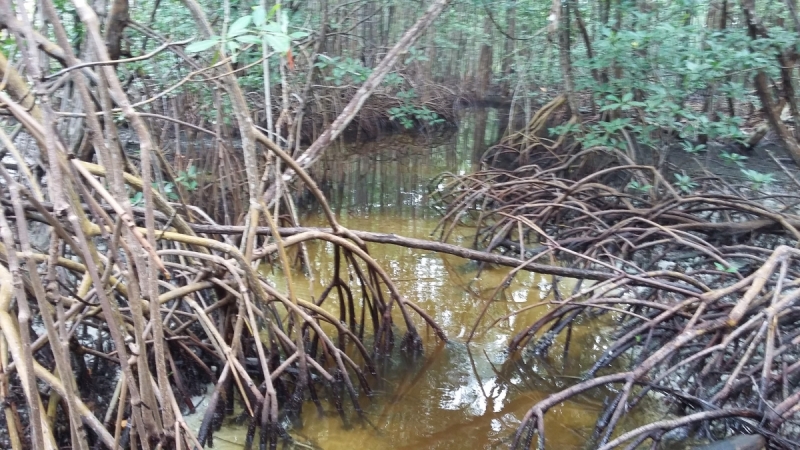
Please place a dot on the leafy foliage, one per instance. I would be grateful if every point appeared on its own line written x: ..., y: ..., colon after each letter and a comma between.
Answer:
x: 188, y: 178
x: 408, y: 113
x: 758, y: 179
x: 253, y: 29
x: 733, y: 159
x: 639, y: 187
x: 692, y: 149
x: 685, y: 183
x: 655, y: 71
x: 343, y: 70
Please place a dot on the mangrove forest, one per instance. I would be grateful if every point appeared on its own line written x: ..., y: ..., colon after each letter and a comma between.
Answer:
x: 399, y: 224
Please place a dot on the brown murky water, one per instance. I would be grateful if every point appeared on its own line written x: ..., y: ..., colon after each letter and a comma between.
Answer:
x: 456, y: 396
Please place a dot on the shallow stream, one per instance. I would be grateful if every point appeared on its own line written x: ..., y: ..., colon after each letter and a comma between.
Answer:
x: 456, y: 395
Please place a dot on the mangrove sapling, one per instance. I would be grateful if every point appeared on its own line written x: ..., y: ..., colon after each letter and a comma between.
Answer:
x: 685, y: 183
x: 733, y: 159
x: 757, y: 179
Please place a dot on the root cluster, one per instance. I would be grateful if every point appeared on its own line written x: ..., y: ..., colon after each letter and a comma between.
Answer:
x: 217, y: 320
x: 703, y: 288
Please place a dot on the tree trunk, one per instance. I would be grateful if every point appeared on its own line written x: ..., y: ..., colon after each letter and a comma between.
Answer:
x: 589, y: 52
x: 485, y: 61
x: 369, y: 49
x: 508, y: 57
x: 117, y: 21
x: 774, y: 118
x: 479, y: 136
x: 564, y: 44
x: 762, y: 87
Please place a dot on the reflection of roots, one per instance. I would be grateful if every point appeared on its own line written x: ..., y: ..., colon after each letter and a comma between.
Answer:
x: 704, y: 292
x: 219, y: 321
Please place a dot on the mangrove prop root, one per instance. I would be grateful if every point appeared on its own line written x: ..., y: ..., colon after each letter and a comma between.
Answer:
x: 702, y: 287
x: 110, y: 310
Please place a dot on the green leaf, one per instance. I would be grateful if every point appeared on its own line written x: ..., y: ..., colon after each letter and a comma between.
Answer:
x: 239, y: 26
x: 274, y: 9
x: 248, y: 39
x: 200, y: 46
x: 627, y: 97
x: 137, y: 199
x: 298, y: 35
x: 733, y: 268
x: 271, y: 27
x: 259, y: 16
x: 279, y: 42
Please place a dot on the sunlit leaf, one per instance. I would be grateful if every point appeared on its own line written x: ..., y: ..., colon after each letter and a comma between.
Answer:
x: 239, y: 26
x: 279, y: 42
x: 200, y: 46
x: 271, y: 27
x: 259, y: 16
x: 248, y: 39
x: 274, y: 9
x: 137, y: 199
x: 298, y: 35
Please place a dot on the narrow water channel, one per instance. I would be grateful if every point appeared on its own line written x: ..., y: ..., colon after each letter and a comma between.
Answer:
x: 456, y: 396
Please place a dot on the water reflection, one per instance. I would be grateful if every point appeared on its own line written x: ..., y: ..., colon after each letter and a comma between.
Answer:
x: 458, y: 395
x: 391, y: 174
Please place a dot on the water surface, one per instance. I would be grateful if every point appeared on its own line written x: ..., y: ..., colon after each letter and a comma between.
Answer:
x: 457, y: 395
